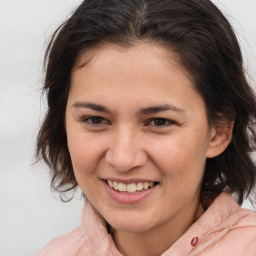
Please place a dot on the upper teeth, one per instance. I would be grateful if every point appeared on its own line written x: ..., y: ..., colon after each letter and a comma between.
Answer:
x: 133, y: 187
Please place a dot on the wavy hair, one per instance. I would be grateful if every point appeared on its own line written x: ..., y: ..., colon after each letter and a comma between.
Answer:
x: 207, y: 48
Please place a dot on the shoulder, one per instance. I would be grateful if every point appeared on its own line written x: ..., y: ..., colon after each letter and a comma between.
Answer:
x: 225, y: 211
x: 242, y: 230
x: 72, y: 243
x: 232, y: 216
x: 233, y: 229
x: 237, y: 235
x: 90, y: 238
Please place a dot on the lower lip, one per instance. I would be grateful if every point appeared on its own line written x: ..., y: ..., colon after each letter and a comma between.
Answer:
x: 126, y: 198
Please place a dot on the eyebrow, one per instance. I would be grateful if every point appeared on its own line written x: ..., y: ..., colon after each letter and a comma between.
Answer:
x: 142, y: 111
x: 160, y: 108
x: 93, y: 106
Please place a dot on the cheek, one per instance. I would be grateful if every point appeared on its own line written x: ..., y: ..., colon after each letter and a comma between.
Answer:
x: 167, y: 156
x: 85, y: 153
x: 85, y: 157
x: 179, y: 156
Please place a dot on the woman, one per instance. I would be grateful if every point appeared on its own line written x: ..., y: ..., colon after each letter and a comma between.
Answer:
x: 150, y: 113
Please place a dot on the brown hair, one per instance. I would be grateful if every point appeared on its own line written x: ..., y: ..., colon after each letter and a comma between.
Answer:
x: 207, y: 47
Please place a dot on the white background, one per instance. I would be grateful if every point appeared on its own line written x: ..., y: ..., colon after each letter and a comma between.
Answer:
x: 29, y: 214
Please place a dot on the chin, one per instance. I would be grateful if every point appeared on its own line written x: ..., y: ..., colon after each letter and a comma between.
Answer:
x: 139, y: 224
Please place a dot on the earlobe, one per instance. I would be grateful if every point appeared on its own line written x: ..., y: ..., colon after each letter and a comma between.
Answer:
x: 220, y: 138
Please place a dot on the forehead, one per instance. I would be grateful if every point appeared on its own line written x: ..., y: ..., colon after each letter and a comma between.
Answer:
x: 133, y: 61
x: 106, y: 53
x: 143, y: 72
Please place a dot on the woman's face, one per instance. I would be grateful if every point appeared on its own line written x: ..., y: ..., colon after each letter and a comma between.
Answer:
x: 134, y: 120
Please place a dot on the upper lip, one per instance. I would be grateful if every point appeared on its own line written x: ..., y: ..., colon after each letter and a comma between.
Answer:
x: 129, y: 181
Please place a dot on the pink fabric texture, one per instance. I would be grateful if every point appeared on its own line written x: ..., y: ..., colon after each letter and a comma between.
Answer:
x: 225, y: 229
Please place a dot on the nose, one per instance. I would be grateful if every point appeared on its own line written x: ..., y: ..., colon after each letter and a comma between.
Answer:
x: 125, y: 151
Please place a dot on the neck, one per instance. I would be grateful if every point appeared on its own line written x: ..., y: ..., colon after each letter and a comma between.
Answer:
x: 157, y: 240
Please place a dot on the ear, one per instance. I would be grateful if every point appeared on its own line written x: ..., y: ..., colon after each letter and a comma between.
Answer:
x: 220, y: 137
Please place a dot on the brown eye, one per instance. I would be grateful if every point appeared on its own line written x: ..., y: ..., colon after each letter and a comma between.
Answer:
x: 160, y: 122
x: 96, y: 120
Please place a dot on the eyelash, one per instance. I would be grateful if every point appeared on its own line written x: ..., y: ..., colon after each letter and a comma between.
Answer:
x: 89, y: 121
x: 167, y: 122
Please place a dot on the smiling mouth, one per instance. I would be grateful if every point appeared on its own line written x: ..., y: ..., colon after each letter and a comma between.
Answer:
x: 132, y: 187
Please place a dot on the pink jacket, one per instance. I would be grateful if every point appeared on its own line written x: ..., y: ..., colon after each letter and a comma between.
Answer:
x: 225, y: 229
